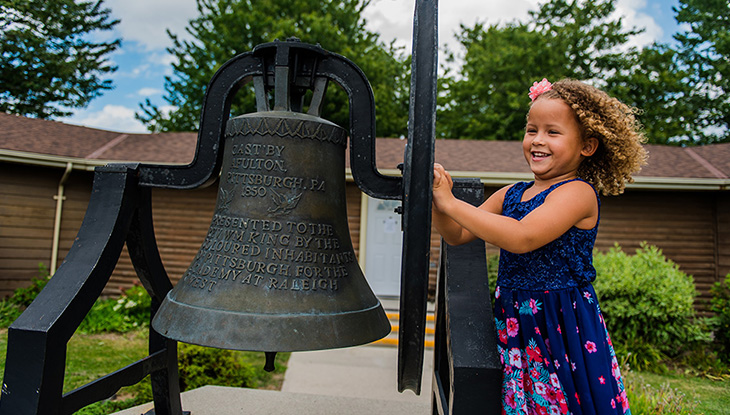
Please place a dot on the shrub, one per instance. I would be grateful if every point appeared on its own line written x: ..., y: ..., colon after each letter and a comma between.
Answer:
x: 646, y: 299
x: 8, y: 313
x: 492, y: 274
x: 641, y: 355
x: 720, y: 322
x: 22, y: 297
x: 130, y: 311
x: 140, y: 393
x: 200, y: 366
x: 12, y: 308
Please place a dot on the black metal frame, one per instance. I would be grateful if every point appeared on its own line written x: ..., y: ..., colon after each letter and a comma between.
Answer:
x: 120, y: 210
x: 467, y: 374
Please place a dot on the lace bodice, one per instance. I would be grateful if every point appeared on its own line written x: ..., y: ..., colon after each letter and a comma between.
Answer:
x: 562, y: 263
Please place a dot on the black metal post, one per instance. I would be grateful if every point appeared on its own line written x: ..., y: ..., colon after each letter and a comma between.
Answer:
x: 142, y: 246
x: 417, y: 181
x: 467, y: 373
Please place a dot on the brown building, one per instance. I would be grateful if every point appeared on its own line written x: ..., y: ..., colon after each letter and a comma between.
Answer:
x: 679, y: 202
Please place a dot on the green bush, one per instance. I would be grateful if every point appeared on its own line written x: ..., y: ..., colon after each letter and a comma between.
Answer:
x: 130, y: 311
x: 12, y: 307
x: 200, y: 366
x: 22, y: 297
x: 492, y: 273
x: 720, y: 322
x: 646, y: 299
x: 8, y: 313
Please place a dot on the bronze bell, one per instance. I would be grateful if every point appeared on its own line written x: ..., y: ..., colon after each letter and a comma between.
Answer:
x: 277, y: 271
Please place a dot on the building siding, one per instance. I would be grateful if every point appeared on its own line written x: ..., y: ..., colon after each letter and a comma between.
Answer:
x: 691, y: 228
x: 27, y: 211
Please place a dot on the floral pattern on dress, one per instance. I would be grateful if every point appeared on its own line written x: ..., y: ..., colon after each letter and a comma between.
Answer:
x: 548, y: 371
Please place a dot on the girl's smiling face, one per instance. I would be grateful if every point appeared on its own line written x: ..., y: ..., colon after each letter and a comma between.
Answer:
x: 554, y: 145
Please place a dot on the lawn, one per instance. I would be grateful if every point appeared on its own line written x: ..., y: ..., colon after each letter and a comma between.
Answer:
x: 92, y: 356
x: 712, y: 396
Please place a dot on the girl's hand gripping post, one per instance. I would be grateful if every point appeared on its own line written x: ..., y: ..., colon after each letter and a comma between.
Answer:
x: 442, y: 185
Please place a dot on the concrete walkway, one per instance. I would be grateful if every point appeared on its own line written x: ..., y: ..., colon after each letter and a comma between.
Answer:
x: 352, y: 381
x: 357, y: 372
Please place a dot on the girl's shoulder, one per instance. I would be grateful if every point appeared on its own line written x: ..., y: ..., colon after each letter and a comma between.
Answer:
x: 578, y: 185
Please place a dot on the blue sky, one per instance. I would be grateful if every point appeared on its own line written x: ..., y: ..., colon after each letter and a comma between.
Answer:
x: 143, y: 61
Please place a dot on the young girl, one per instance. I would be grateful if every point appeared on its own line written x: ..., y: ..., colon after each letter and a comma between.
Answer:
x: 556, y: 352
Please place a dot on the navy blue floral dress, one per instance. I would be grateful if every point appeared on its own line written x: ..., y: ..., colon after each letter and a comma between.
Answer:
x: 555, y: 350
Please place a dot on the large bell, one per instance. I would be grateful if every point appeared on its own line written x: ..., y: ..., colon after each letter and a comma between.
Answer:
x: 277, y: 270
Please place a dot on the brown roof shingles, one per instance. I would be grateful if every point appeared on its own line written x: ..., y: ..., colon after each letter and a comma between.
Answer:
x: 670, y: 161
x: 59, y: 139
x: 717, y: 155
x: 50, y: 137
x: 177, y: 148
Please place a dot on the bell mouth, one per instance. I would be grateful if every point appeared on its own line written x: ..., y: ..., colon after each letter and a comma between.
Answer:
x: 281, y: 332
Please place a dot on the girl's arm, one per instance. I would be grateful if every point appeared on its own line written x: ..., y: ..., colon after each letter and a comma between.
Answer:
x: 572, y: 204
x: 449, y: 229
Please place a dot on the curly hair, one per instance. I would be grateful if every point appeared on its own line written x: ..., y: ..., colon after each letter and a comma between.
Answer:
x: 620, y: 152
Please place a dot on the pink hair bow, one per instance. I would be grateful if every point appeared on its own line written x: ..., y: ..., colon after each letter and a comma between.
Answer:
x: 538, y: 88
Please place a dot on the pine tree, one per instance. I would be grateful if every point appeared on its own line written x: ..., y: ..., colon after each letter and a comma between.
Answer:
x: 48, y: 64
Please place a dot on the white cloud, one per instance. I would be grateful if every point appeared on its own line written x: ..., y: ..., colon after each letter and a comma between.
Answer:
x: 163, y: 59
x: 393, y: 19
x: 632, y: 17
x: 145, y: 21
x: 165, y: 110
x: 111, y: 118
x: 146, y: 92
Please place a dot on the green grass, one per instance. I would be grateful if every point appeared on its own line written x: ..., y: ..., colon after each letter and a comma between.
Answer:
x: 712, y: 397
x: 92, y: 356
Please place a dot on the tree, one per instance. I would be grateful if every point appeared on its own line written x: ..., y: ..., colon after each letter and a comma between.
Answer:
x: 655, y: 83
x: 226, y: 28
x: 705, y: 50
x: 487, y: 101
x: 576, y: 39
x: 47, y: 62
